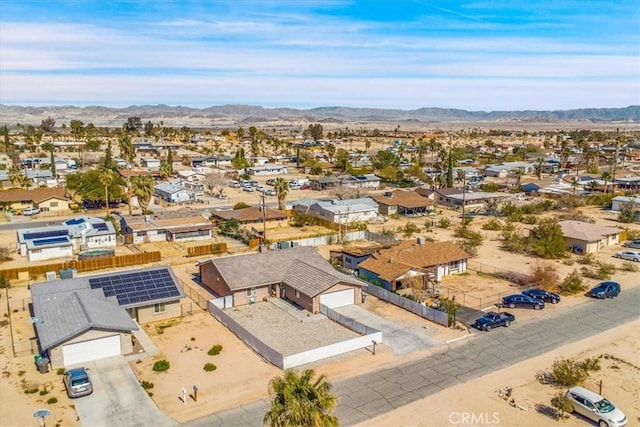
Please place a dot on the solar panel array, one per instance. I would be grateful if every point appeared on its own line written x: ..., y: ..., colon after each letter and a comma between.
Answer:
x: 75, y: 221
x: 45, y: 234
x: 50, y: 241
x: 101, y: 226
x: 137, y: 287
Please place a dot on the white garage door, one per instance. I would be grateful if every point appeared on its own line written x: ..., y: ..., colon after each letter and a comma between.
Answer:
x: 338, y: 299
x: 77, y: 353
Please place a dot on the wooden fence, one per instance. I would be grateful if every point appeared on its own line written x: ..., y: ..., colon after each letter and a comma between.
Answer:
x: 208, y: 249
x: 117, y: 261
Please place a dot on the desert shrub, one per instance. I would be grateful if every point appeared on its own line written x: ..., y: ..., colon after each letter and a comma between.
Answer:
x: 409, y: 229
x: 591, y: 364
x: 544, y: 274
x: 530, y: 219
x: 568, y: 372
x: 605, y: 271
x: 44, y: 392
x: 444, y: 223
x: 209, y: 367
x: 161, y: 365
x: 633, y: 234
x: 52, y: 400
x: 512, y: 240
x: 587, y: 259
x: 490, y: 187
x: 31, y: 390
x: 576, y: 216
x: 568, y: 261
x: 215, y: 350
x: 60, y: 371
x: 193, y: 338
x: 572, y: 284
x: 629, y: 266
x: 493, y: 225
x: 146, y: 385
x: 562, y: 405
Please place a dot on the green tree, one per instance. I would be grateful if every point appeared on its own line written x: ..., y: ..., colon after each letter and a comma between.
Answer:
x: 106, y: 177
x: 627, y: 212
x: 299, y: 399
x: 450, y: 169
x: 342, y: 160
x: 331, y: 151
x: 128, y: 153
x: 607, y: 178
x: 48, y: 125
x: 170, y: 161
x: 281, y: 187
x: 548, y: 240
x: 314, y: 131
x: 143, y: 190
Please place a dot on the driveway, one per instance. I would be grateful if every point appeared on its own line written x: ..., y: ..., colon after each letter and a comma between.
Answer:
x: 117, y: 399
x: 401, y: 339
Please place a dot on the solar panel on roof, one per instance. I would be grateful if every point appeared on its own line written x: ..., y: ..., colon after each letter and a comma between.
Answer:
x: 50, y: 241
x: 101, y: 226
x: 138, y: 287
x: 45, y: 234
x: 75, y: 221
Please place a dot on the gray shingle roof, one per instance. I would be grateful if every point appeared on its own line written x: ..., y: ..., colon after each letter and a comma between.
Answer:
x: 67, y: 310
x: 260, y: 269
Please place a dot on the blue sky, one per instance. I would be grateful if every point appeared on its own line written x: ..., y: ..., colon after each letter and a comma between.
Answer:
x: 406, y: 54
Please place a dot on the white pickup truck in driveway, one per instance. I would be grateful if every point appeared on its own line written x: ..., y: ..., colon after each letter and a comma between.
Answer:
x: 118, y: 399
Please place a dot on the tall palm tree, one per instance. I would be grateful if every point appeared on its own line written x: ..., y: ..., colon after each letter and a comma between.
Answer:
x: 128, y: 153
x: 106, y: 177
x: 15, y: 176
x: 281, y: 187
x: 606, y: 177
x: 143, y: 190
x: 300, y: 400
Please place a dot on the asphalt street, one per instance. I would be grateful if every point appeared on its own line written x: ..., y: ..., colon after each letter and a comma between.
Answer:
x: 369, y: 395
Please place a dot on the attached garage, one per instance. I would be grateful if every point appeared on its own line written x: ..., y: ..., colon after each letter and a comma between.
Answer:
x: 338, y: 299
x: 81, y: 352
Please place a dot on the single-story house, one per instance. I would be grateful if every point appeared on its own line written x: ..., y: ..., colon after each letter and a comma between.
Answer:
x: 339, y: 211
x: 267, y: 169
x: 402, y: 202
x: 618, y: 201
x: 390, y: 267
x: 91, y: 317
x: 454, y: 198
x: 62, y: 241
x: 299, y: 275
x: 324, y: 182
x: 175, y: 226
x: 46, y: 199
x: 349, y: 257
x: 583, y: 237
x: 150, y: 163
x: 360, y: 181
x: 250, y: 215
x: 178, y: 191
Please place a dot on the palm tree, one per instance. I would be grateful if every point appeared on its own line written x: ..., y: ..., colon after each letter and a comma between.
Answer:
x: 143, y: 190
x: 299, y: 400
x: 106, y: 177
x: 128, y: 153
x: 281, y: 187
x: 606, y: 177
x: 15, y: 176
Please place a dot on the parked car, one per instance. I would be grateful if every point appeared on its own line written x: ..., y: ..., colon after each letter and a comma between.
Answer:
x: 248, y: 189
x: 493, y: 320
x: 545, y: 296
x: 522, y: 301
x: 260, y: 188
x: 305, y: 187
x: 235, y: 184
x: 629, y: 255
x: 632, y: 244
x: 270, y: 181
x: 270, y: 192
x: 31, y: 211
x: 605, y: 290
x: 77, y: 382
x: 596, y: 408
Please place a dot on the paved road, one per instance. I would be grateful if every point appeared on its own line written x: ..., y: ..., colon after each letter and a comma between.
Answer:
x: 117, y: 399
x: 366, y: 396
x: 401, y: 340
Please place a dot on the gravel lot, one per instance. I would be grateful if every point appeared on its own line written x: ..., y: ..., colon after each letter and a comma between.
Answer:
x: 289, y: 333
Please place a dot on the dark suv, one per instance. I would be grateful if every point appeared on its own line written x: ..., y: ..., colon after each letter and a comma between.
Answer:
x: 605, y: 290
x: 545, y: 296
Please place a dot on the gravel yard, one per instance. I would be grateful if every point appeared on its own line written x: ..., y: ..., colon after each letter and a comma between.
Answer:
x: 289, y: 333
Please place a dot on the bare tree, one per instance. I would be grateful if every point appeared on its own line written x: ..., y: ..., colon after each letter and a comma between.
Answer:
x: 216, y: 183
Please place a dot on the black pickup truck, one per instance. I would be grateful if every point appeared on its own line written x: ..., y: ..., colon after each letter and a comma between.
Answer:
x: 492, y: 319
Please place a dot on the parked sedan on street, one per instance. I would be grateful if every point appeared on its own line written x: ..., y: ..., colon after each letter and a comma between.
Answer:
x: 605, y: 290
x: 248, y: 189
x: 632, y: 244
x: 630, y: 255
x: 522, y: 301
x: 270, y: 192
x: 545, y: 296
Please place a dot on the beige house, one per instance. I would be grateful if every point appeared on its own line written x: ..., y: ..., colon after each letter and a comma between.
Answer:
x: 46, y: 199
x: 299, y: 275
x: 583, y: 237
x: 92, y: 317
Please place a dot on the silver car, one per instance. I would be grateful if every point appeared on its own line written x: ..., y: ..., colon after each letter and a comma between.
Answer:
x: 629, y: 255
x: 596, y: 408
x: 77, y: 382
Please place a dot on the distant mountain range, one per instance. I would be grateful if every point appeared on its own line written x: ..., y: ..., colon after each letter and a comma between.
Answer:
x: 105, y: 116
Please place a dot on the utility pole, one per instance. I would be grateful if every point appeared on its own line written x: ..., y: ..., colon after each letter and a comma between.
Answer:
x: 264, y: 223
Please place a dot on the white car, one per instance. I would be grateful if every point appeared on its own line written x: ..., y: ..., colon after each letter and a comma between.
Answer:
x: 270, y: 192
x: 31, y: 211
x: 630, y: 255
x: 596, y: 408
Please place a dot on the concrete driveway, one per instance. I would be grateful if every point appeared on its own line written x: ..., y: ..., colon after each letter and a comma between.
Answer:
x: 401, y: 339
x: 117, y: 399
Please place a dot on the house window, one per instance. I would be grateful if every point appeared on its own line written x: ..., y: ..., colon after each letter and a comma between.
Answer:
x: 297, y: 294
x: 251, y: 292
x: 53, y: 204
x: 159, y: 308
x: 141, y: 233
